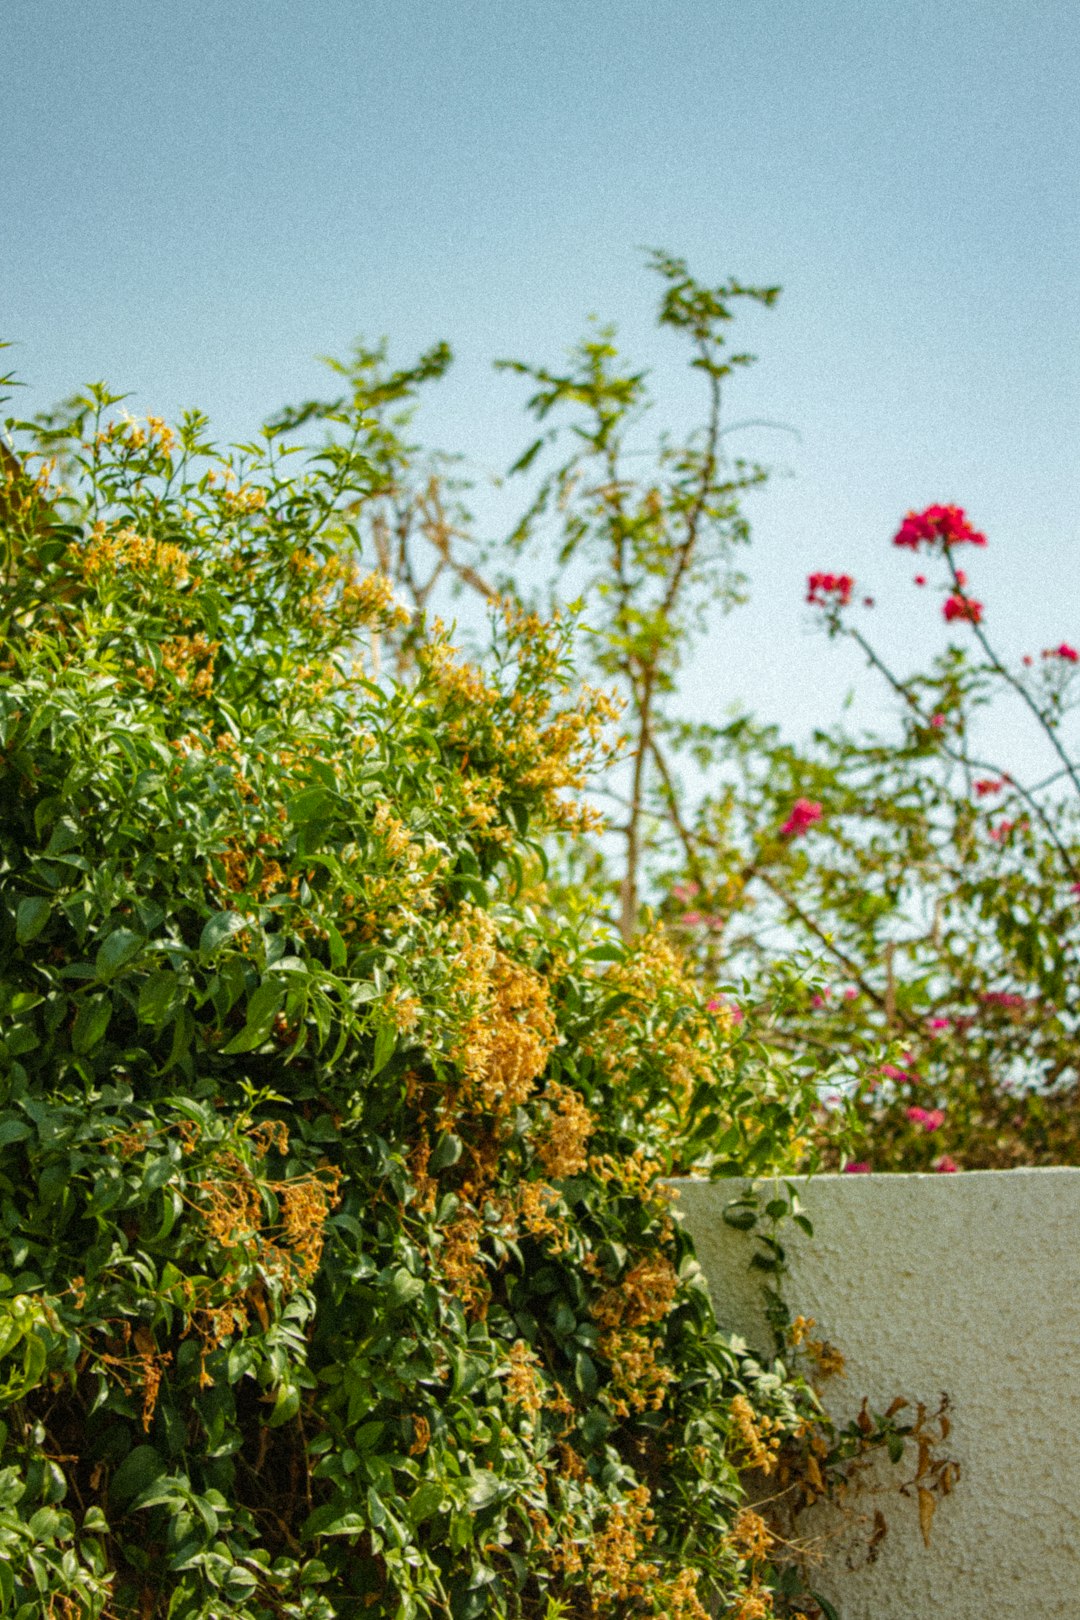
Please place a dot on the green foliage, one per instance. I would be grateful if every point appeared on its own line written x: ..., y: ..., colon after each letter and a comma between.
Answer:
x: 339, y: 1278
x: 654, y: 532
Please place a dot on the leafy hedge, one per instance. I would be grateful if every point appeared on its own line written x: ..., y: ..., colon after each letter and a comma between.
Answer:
x: 339, y: 1278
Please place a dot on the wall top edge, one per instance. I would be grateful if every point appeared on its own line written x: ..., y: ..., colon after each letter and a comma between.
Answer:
x: 885, y: 1177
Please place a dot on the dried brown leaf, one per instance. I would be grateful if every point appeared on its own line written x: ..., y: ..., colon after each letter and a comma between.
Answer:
x: 927, y: 1504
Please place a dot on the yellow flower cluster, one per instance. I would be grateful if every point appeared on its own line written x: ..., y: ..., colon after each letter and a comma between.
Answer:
x: 337, y: 597
x: 754, y: 1435
x: 562, y: 1138
x: 523, y: 1385
x: 751, y: 1536
x: 137, y: 553
x: 127, y: 432
x: 240, y: 502
x: 638, y: 1382
x: 613, y: 1562
x: 506, y: 1044
x: 645, y: 1295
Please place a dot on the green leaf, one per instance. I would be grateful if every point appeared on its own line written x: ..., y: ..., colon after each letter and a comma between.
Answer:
x: 139, y: 1469
x: 265, y: 1004
x: 238, y: 1584
x: 31, y: 917
x: 14, y: 1130
x: 330, y: 1521
x: 121, y: 947
x: 286, y: 1405
x: 385, y: 1042
x: 487, y: 1488
x: 44, y: 1523
x: 90, y: 1024
x: 585, y: 1376
x: 338, y: 952
x: 448, y: 1150
x: 312, y: 804
x: 158, y: 998
x: 223, y: 925
x: 425, y: 1501
x: 367, y: 1435
x: 403, y: 1288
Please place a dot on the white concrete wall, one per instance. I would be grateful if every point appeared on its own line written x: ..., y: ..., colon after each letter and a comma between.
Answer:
x: 965, y: 1283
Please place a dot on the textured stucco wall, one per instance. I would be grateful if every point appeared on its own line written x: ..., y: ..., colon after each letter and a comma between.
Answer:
x: 964, y: 1283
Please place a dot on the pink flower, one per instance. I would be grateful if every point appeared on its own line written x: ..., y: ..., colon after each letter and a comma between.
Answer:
x: 804, y: 812
x: 821, y: 1000
x: 1074, y: 888
x: 1001, y: 831
x: 900, y: 1076
x: 868, y: 601
x: 945, y: 1166
x: 937, y: 721
x: 690, y: 919
x: 946, y: 525
x: 1003, y: 998
x: 963, y: 607
x: 719, y: 1004
x: 988, y: 784
x: 1069, y: 654
x: 824, y: 590
x: 857, y: 1167
x: 684, y: 891
x: 920, y: 579
x: 940, y: 1023
x: 850, y: 993
x: 1027, y: 660
x: 931, y: 1119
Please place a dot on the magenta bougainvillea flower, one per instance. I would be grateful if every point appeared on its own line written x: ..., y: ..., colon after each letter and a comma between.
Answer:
x: 1069, y: 654
x: 946, y: 1166
x: 938, y: 525
x: 804, y: 812
x: 721, y: 1004
x: 931, y: 1119
x: 829, y: 588
x: 1003, y: 998
x: 963, y: 607
x: 857, y: 1167
x: 900, y: 1076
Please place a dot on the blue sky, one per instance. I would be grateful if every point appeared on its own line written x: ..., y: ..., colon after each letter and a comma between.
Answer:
x: 199, y: 199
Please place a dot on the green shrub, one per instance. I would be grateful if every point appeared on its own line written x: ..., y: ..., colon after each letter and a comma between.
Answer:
x: 339, y: 1278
